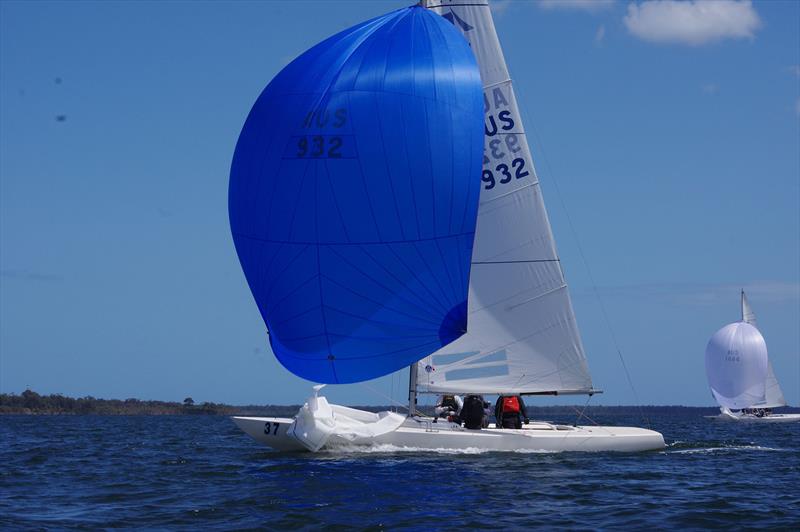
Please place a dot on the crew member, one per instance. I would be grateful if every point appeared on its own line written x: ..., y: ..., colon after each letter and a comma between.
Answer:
x: 509, y: 410
x: 448, y: 406
x: 472, y: 413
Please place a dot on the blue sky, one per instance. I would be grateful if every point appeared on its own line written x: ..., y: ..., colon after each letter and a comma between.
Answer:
x: 668, y: 133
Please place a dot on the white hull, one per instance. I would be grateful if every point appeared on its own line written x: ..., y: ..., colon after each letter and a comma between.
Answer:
x: 749, y: 418
x: 423, y: 433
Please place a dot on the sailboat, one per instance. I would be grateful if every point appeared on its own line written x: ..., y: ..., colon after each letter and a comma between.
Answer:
x: 740, y: 373
x: 503, y: 322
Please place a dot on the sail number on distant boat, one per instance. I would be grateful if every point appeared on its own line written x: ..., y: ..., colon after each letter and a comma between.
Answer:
x: 501, y: 161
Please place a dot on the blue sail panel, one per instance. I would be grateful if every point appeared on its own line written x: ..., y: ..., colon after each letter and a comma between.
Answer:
x: 354, y: 193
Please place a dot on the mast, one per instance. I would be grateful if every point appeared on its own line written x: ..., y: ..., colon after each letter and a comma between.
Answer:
x: 412, y: 389
x: 742, y: 305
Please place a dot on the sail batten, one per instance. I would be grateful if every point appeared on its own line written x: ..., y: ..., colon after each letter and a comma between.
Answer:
x: 519, y: 311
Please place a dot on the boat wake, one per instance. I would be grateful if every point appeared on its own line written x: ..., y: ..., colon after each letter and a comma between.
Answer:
x: 681, y: 447
x: 388, y: 448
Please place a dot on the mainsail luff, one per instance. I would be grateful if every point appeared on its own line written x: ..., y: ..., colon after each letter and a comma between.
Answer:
x: 522, y: 334
x: 773, y: 394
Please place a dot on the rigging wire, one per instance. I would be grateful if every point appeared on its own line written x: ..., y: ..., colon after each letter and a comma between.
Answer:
x: 528, y: 121
x: 376, y: 392
x: 581, y: 413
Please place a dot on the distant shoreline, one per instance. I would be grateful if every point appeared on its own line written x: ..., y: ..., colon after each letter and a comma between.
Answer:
x: 32, y: 403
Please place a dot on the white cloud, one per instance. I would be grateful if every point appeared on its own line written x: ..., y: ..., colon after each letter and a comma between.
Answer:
x: 692, y: 22
x: 600, y: 35
x: 577, y: 5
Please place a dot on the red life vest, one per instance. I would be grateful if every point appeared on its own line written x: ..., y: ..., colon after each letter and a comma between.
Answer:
x: 511, y: 405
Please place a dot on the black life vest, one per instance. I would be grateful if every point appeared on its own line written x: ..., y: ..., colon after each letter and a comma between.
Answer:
x: 472, y: 412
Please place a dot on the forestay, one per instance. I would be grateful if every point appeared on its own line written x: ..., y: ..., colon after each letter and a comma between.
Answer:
x: 736, y: 366
x: 522, y: 334
x: 773, y: 395
x: 353, y: 197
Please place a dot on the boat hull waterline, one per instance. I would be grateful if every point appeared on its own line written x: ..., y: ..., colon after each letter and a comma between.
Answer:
x: 750, y: 418
x: 424, y: 433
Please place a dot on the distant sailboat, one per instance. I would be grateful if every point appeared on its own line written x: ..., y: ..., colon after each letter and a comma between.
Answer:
x: 740, y: 373
x: 494, y: 315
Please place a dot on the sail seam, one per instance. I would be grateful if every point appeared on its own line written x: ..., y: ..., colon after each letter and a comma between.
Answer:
x: 497, y: 303
x: 272, y: 306
x: 335, y: 203
x: 563, y: 286
x: 496, y: 83
x: 352, y: 358
x: 414, y: 274
x: 514, y: 261
x: 486, y: 4
x: 389, y: 175
x: 378, y: 242
x: 404, y: 125
x: 500, y: 196
x: 258, y: 281
x: 438, y: 283
x: 354, y: 292
x: 268, y: 295
x: 454, y: 293
x: 391, y: 274
x: 454, y: 105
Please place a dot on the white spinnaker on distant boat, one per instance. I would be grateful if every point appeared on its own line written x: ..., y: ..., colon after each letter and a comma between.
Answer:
x: 736, y: 366
x: 773, y: 394
x: 522, y: 334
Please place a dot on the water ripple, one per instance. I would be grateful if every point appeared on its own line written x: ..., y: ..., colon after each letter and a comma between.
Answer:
x: 199, y: 472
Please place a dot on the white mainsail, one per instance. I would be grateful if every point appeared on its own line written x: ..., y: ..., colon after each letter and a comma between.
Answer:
x: 522, y: 334
x: 773, y: 395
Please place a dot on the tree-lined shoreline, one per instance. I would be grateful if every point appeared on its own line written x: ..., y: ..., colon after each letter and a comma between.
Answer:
x: 32, y: 403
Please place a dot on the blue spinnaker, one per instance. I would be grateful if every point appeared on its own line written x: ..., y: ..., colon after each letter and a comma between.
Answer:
x: 354, y: 194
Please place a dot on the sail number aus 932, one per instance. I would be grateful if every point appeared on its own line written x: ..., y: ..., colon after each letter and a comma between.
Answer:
x: 504, y: 173
x: 319, y: 146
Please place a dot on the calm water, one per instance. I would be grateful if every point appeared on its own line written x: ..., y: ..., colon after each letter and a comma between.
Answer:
x: 193, y: 472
